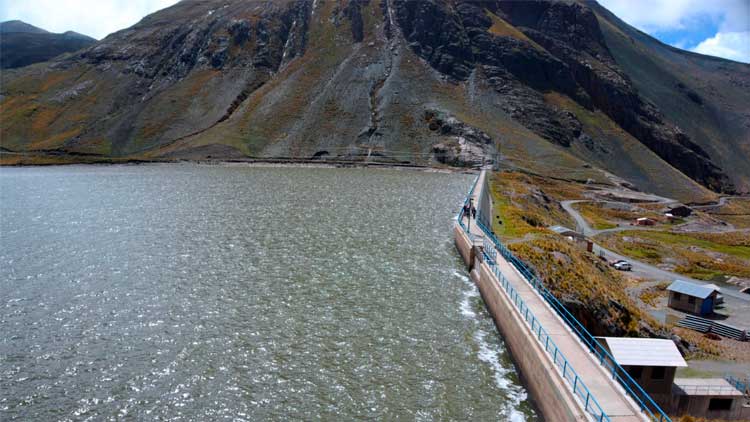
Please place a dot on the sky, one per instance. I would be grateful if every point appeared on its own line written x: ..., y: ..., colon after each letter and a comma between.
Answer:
x: 714, y: 27
x: 95, y: 18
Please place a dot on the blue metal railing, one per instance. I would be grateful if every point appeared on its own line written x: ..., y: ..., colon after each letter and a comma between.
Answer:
x: 460, y: 216
x: 741, y: 385
x: 632, y: 388
x: 591, y: 405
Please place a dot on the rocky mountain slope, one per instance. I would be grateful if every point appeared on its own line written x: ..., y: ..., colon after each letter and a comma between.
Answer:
x: 22, y: 44
x: 557, y: 87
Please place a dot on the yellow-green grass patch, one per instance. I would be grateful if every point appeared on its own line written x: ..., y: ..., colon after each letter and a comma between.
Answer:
x: 570, y: 272
x: 526, y: 204
x: 602, y: 217
x: 502, y: 28
x: 705, y: 256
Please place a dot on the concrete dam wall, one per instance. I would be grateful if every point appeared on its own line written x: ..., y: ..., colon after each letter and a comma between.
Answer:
x: 553, y: 398
x: 566, y: 380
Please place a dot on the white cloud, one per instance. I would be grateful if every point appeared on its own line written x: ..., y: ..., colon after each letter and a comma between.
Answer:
x: 731, y: 17
x: 665, y: 15
x: 96, y: 18
x: 730, y: 45
x: 681, y: 44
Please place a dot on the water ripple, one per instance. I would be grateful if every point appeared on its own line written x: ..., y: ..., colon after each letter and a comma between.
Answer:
x: 189, y: 292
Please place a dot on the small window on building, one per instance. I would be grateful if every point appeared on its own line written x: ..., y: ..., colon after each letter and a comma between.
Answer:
x: 657, y: 373
x: 691, y: 300
x: 720, y: 404
x: 677, y: 296
x: 635, y: 372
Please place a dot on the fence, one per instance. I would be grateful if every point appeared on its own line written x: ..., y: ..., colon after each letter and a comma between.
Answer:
x: 460, y: 216
x: 591, y: 406
x: 743, y: 386
x: 632, y: 388
x: 708, y: 390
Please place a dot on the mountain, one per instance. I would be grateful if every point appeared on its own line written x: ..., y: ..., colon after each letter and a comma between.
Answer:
x: 20, y: 26
x: 22, y: 44
x: 562, y: 88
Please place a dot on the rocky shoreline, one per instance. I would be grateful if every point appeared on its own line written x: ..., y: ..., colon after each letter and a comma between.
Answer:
x: 251, y: 162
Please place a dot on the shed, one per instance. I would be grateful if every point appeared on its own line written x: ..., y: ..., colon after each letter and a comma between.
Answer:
x: 694, y: 298
x: 712, y: 398
x: 651, y: 362
x: 645, y: 221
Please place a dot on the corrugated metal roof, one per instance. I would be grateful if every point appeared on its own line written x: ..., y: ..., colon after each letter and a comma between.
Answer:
x: 691, y: 289
x: 706, y: 387
x: 713, y: 286
x: 632, y: 351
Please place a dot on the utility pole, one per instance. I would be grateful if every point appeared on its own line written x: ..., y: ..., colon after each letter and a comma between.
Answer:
x: 496, y: 164
x: 468, y: 215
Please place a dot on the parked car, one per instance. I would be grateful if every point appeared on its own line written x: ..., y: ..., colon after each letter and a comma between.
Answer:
x: 623, y: 266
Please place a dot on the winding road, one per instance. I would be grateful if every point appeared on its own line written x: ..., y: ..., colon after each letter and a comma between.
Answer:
x: 722, y: 201
x: 640, y: 269
x: 584, y: 226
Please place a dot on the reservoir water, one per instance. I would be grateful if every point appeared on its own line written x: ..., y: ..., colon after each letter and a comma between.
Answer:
x: 187, y: 292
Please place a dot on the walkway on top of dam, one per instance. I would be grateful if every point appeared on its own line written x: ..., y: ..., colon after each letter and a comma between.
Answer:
x: 476, y: 231
x: 610, y: 395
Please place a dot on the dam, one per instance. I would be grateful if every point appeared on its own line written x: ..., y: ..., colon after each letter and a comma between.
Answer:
x: 568, y: 373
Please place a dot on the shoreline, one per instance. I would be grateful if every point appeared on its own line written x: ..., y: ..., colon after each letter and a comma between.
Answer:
x: 252, y: 162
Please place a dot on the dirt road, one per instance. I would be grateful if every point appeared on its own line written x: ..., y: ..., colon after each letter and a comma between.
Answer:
x: 640, y: 269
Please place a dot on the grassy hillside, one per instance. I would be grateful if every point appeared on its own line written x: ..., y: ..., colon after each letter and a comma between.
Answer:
x: 704, y: 256
x: 525, y: 205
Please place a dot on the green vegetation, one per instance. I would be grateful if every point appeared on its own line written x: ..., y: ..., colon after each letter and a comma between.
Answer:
x: 48, y: 160
x: 601, y: 217
x: 590, y: 288
x: 650, y: 295
x: 706, y: 348
x: 502, y: 28
x: 689, y: 372
x: 736, y: 211
x: 599, y: 122
x: 705, y: 256
x: 593, y: 213
x: 587, y: 286
x: 526, y: 204
x: 732, y: 243
x: 31, y: 122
